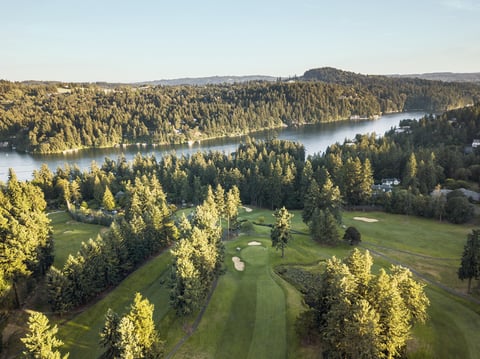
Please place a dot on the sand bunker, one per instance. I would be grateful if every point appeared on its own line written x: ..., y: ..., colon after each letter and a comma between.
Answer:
x: 254, y: 243
x: 365, y: 219
x: 247, y: 209
x: 238, y: 264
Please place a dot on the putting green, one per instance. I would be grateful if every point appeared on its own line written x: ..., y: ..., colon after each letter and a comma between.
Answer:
x: 246, y: 317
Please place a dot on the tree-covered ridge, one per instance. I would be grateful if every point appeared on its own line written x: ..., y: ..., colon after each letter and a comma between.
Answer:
x: 38, y: 118
x: 412, y: 93
x: 275, y: 173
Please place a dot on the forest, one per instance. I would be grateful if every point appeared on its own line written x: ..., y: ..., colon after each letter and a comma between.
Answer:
x: 51, y: 118
x: 139, y: 201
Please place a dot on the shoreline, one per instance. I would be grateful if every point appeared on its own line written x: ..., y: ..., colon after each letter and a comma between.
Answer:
x: 191, y: 142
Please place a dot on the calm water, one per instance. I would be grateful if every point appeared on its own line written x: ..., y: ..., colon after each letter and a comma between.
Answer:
x: 315, y: 138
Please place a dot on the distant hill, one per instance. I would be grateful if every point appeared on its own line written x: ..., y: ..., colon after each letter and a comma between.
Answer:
x: 333, y: 75
x: 194, y: 81
x: 211, y: 80
x: 445, y: 76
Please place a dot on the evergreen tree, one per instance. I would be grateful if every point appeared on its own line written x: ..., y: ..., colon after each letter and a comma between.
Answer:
x: 110, y: 336
x: 25, y: 233
x: 134, y: 335
x: 352, y: 180
x: 323, y: 227
x: 362, y: 315
x: 470, y: 264
x: 129, y: 343
x: 330, y: 199
x: 410, y: 172
x: 232, y: 203
x: 352, y: 236
x: 280, y: 233
x: 366, y: 181
x: 108, y: 200
x: 220, y: 200
x: 141, y: 316
x: 41, y: 341
x: 311, y: 201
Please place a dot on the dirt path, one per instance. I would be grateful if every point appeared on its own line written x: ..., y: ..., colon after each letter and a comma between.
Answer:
x: 411, y: 253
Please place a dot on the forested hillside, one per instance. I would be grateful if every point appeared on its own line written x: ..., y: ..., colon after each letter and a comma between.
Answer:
x: 431, y: 152
x: 409, y: 93
x: 44, y: 118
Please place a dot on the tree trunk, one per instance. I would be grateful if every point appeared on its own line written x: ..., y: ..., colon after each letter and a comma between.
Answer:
x: 17, y: 297
x: 228, y: 227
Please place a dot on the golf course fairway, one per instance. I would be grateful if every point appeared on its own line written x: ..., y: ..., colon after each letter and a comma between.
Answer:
x: 246, y: 317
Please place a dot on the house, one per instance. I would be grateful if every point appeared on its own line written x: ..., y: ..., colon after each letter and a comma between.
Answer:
x: 382, y: 188
x: 476, y: 143
x: 390, y: 181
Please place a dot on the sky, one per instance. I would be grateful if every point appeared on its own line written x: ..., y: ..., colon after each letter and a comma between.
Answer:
x: 130, y: 41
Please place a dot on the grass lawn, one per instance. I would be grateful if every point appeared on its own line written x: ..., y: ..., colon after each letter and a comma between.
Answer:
x: 246, y: 316
x: 81, y: 334
x: 252, y: 313
x: 432, y: 248
x: 69, y: 235
x: 452, y: 329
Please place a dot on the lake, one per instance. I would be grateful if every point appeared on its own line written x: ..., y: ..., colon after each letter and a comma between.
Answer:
x: 315, y: 138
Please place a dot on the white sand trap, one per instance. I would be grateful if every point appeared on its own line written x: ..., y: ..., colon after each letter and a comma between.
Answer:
x: 238, y: 264
x: 365, y: 219
x: 247, y: 209
x: 254, y: 243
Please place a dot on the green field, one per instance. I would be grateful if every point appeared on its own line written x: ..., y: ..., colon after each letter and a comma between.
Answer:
x: 69, y: 235
x: 252, y: 312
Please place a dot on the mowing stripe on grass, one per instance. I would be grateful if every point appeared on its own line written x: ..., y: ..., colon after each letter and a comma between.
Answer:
x: 81, y: 334
x: 235, y: 340
x: 455, y: 327
x: 269, y: 335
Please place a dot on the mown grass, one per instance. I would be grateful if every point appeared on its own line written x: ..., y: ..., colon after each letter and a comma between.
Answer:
x: 68, y: 235
x: 252, y: 313
x: 81, y: 334
x: 430, y: 247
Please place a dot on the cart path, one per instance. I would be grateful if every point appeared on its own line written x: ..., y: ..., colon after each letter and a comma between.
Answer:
x: 420, y: 275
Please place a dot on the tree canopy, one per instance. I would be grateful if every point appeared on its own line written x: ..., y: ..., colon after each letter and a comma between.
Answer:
x: 358, y: 314
x: 281, y: 232
x: 470, y: 262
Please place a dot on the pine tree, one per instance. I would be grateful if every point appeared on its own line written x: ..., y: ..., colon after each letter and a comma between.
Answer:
x: 280, y: 233
x: 110, y: 336
x: 362, y: 315
x: 330, y: 198
x: 220, y: 200
x: 311, y: 201
x: 25, y: 233
x: 129, y: 343
x: 108, y: 200
x: 352, y: 179
x: 41, y: 341
x: 141, y: 316
x: 134, y: 335
x: 410, y: 172
x: 232, y: 203
x: 366, y: 181
x: 323, y: 227
x: 470, y: 265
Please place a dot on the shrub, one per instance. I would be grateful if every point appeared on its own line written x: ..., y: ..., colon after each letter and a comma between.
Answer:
x: 352, y: 236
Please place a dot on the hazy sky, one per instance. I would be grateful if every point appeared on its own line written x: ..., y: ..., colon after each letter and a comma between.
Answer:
x: 128, y: 41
